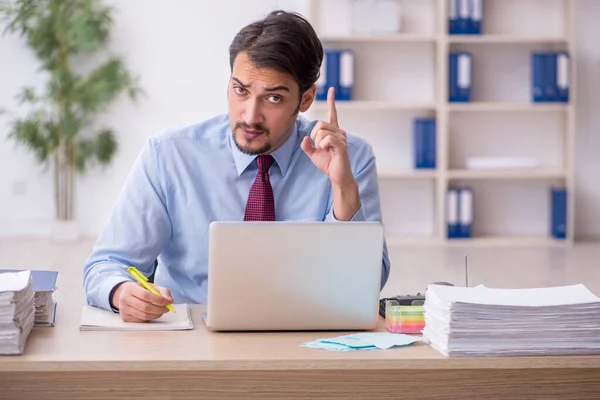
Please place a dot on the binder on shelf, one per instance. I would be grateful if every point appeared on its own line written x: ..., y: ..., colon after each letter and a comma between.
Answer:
x: 562, y: 77
x: 339, y: 74
x: 431, y: 147
x: 424, y: 143
x: 550, y: 78
x: 332, y: 70
x: 452, y: 213
x: 537, y: 77
x: 463, y: 21
x: 346, y: 75
x: 558, y: 212
x: 452, y: 17
x: 465, y: 213
x: 460, y: 67
x: 476, y: 17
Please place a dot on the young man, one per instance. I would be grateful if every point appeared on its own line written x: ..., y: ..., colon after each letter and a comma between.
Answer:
x: 261, y: 162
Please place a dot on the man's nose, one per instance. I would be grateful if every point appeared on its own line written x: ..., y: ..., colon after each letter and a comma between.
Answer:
x: 252, y: 114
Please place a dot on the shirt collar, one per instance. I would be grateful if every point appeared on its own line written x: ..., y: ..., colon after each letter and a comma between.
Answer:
x: 282, y: 155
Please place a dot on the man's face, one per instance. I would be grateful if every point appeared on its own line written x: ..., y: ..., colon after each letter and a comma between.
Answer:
x: 263, y: 105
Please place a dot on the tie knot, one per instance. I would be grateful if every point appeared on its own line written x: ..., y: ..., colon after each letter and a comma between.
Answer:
x: 264, y: 162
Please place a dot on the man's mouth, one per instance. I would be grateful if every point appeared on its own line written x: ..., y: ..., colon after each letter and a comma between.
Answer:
x: 250, y: 133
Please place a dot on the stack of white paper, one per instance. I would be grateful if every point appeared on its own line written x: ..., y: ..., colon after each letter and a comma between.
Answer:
x: 17, y: 311
x: 44, y: 284
x: 461, y: 321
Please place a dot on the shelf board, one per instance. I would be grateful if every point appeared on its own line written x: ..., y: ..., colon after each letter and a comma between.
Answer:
x: 507, y: 173
x: 395, y: 37
x: 373, y: 105
x: 407, y: 173
x: 392, y: 240
x: 484, y: 241
x: 509, y: 39
x: 507, y: 106
x: 512, y: 241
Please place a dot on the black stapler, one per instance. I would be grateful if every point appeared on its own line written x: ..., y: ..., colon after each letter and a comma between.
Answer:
x: 406, y: 300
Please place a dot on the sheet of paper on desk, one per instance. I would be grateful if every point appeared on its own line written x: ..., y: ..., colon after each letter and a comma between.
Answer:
x: 364, y: 341
x: 97, y: 319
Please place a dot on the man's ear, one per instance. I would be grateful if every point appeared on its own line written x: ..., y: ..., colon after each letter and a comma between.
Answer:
x: 307, y: 98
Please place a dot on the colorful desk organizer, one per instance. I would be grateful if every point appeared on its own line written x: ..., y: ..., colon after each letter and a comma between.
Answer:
x: 404, y: 319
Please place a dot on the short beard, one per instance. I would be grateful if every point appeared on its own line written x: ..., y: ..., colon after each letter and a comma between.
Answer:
x: 260, y: 150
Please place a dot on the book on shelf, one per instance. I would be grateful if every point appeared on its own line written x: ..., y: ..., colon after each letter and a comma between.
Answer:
x: 550, y: 77
x: 465, y: 17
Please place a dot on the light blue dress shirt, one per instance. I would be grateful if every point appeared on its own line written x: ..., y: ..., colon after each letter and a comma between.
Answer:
x: 186, y: 178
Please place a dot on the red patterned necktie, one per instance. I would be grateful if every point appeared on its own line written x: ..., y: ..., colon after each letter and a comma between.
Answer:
x: 260, y: 205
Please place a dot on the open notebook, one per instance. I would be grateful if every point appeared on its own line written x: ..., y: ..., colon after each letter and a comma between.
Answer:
x: 97, y: 319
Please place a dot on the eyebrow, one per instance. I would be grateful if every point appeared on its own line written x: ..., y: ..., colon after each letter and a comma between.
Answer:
x: 268, y: 89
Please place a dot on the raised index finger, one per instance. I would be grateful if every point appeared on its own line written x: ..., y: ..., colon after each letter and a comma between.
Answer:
x: 331, y: 111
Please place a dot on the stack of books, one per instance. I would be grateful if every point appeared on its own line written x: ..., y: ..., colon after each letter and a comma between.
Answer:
x: 464, y: 321
x: 17, y: 311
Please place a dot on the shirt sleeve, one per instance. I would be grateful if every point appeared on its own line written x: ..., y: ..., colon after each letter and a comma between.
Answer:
x: 365, y: 173
x: 137, y: 230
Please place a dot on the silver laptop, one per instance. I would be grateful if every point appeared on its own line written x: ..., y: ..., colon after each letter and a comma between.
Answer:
x: 294, y: 275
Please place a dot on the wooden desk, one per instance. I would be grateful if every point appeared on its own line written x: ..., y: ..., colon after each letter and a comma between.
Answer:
x: 64, y: 363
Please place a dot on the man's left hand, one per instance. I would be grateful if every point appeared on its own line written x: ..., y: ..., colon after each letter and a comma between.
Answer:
x: 330, y: 155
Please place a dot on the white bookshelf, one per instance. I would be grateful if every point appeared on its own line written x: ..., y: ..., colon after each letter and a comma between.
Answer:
x: 403, y: 76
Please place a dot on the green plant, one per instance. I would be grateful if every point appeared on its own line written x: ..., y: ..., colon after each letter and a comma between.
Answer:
x: 59, y: 127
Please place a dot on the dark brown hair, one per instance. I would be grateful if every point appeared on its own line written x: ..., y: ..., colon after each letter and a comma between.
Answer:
x: 282, y: 41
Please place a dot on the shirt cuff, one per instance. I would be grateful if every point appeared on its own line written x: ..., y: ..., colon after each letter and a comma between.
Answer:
x: 358, y: 216
x: 106, y: 291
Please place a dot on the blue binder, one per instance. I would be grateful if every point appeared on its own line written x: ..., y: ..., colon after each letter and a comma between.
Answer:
x: 562, y: 77
x: 424, y: 143
x: 452, y: 17
x: 332, y: 70
x: 476, y: 12
x: 430, y: 144
x: 464, y: 76
x: 550, y: 92
x: 558, y: 210
x: 465, y: 212
x: 537, y: 77
x: 452, y: 77
x: 460, y: 67
x: 452, y: 213
x: 419, y: 143
x: 464, y: 17
x: 346, y: 75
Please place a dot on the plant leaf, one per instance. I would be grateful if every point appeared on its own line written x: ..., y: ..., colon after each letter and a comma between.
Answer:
x: 30, y: 133
x: 105, y: 146
x: 101, y: 86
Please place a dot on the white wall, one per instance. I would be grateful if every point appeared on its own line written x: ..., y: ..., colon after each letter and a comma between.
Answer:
x: 180, y: 52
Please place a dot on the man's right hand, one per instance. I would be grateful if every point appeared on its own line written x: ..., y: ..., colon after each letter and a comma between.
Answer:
x: 137, y: 304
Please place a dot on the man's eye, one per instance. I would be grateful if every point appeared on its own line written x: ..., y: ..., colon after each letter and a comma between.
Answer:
x: 274, y: 99
x: 239, y: 90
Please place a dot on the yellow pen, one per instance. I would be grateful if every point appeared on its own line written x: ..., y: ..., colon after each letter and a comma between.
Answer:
x: 141, y: 278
